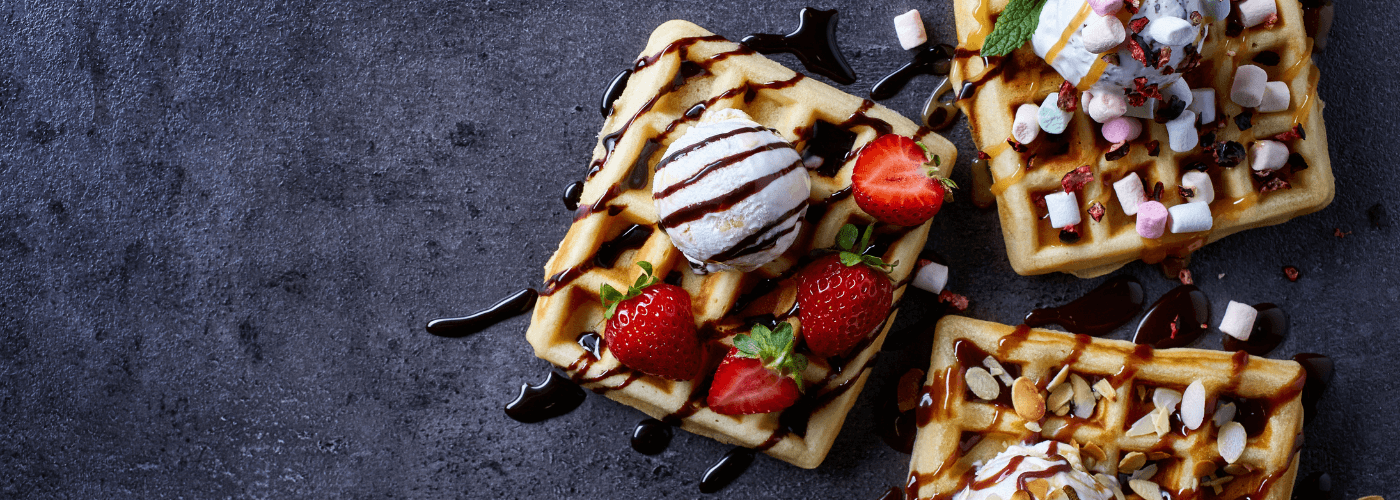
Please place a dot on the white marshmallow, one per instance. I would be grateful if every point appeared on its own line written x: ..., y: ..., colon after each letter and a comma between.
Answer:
x: 1181, y: 91
x: 1190, y: 217
x: 1203, y: 104
x: 1103, y: 34
x: 910, y: 28
x: 1248, y: 89
x: 1172, y: 31
x: 1105, y: 105
x: 1051, y: 118
x: 1147, y: 111
x: 1027, y: 125
x: 1276, y: 97
x: 1181, y: 133
x: 1239, y: 320
x: 1220, y: 9
x: 1254, y: 12
x: 1268, y: 155
x: 1199, y: 183
x: 931, y: 278
x: 1064, y: 209
x: 1130, y: 193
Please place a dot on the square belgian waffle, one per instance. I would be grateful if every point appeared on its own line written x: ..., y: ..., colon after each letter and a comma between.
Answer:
x: 685, y: 72
x: 958, y: 429
x: 992, y: 89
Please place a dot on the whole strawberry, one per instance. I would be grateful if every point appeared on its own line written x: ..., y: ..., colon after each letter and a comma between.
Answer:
x: 842, y: 297
x: 760, y: 374
x: 651, y: 328
x: 895, y: 181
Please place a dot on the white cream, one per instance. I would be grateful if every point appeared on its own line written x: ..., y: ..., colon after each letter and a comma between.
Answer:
x: 1042, y: 456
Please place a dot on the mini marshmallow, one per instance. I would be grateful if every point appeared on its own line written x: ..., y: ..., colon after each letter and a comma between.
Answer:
x: 1122, y: 129
x: 1267, y: 155
x: 931, y: 277
x: 1103, y: 34
x: 1239, y: 320
x: 1191, y: 218
x: 1027, y: 125
x: 1051, y: 118
x: 1151, y: 220
x: 1147, y: 111
x: 1064, y: 209
x: 1203, y: 104
x: 1181, y: 133
x: 1248, y: 89
x: 910, y: 28
x: 1172, y: 31
x: 1181, y: 91
x: 1254, y: 12
x: 1276, y: 97
x: 1201, y: 188
x: 1106, y: 7
x: 1105, y: 105
x: 1130, y: 193
x: 1220, y: 8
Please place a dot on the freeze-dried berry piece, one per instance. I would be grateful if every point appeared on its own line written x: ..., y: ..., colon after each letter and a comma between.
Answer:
x: 1075, y: 180
x: 957, y: 302
x: 1294, y: 133
x: 1291, y: 273
x: 1069, y: 98
x: 1274, y: 183
x: 1157, y: 191
x: 1069, y: 234
x: 1164, y: 55
x: 982, y: 155
x: 1016, y: 146
x: 1170, y: 110
x: 1138, y: 24
x: 1186, y: 192
x: 1185, y: 277
x: 1096, y: 211
x: 1135, y: 48
x: 1117, y: 152
x: 1154, y: 147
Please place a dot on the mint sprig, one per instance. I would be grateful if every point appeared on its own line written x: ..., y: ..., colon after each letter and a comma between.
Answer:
x: 612, y: 297
x: 853, y: 253
x: 1014, y: 27
x: 774, y: 348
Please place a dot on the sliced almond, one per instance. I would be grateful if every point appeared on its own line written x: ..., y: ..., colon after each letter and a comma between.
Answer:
x: 993, y: 366
x: 1371, y: 497
x: 1230, y: 443
x: 1058, y: 379
x: 1131, y: 462
x: 1105, y: 389
x: 1059, y: 397
x: 1110, y: 485
x: 1162, y: 422
x: 1148, y: 490
x: 1205, y: 468
x: 982, y: 384
x: 1093, y: 450
x: 1033, y: 427
x: 1021, y: 495
x: 1193, y: 405
x: 1237, y: 469
x: 1142, y: 427
x: 1083, y: 397
x: 1223, y: 414
x: 1219, y: 481
x: 1026, y: 399
x: 1166, y: 398
x: 1158, y: 455
x: 909, y: 389
x: 1062, y: 411
x: 1145, y: 473
x: 1040, y: 489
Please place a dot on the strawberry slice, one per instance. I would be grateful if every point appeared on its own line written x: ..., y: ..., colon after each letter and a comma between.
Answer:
x: 842, y: 297
x: 651, y: 328
x: 895, y: 181
x: 760, y: 374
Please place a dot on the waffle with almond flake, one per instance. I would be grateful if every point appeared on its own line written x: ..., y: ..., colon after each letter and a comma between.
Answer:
x: 997, y: 86
x: 684, y: 72
x: 1105, y: 403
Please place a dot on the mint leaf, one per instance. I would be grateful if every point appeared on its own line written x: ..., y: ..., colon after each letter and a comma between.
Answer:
x: 847, y: 237
x: 1014, y: 27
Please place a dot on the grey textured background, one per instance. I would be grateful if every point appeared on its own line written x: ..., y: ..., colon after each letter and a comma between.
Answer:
x: 222, y: 228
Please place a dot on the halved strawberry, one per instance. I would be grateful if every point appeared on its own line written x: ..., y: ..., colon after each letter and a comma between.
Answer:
x: 842, y: 297
x: 760, y: 374
x: 651, y: 329
x: 896, y: 182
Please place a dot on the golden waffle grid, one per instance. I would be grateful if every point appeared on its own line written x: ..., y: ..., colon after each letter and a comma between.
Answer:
x: 654, y: 109
x: 1033, y: 247
x: 949, y: 414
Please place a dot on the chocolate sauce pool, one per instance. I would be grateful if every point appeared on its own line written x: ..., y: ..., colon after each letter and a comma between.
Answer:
x: 1097, y: 313
x: 1176, y: 319
x: 931, y: 59
x: 1270, y: 327
x: 814, y: 43
x: 556, y: 396
x: 516, y: 304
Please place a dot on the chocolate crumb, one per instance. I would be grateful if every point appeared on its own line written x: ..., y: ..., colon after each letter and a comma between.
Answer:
x: 1378, y: 217
x: 1291, y: 273
x: 1170, y: 110
x: 1157, y: 191
x: 1228, y: 153
x: 1296, y: 162
x: 1154, y: 147
x: 1244, y: 120
x: 1096, y: 211
x: 1198, y: 166
x: 1186, y: 192
x: 1117, y: 152
x: 1208, y: 140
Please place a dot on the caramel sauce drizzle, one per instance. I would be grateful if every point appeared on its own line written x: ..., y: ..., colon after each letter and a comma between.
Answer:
x: 1073, y: 27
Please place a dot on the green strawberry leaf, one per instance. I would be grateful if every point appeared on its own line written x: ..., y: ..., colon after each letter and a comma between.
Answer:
x: 1014, y: 27
x: 746, y: 344
x: 775, y: 349
x: 865, y: 238
x: 853, y: 252
x: 850, y: 259
x: 611, y: 297
x: 646, y: 267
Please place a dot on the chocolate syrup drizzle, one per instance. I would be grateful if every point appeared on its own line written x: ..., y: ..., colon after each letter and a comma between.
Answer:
x: 814, y: 43
x: 614, y: 91
x: 1176, y: 319
x: 556, y: 396
x: 931, y: 59
x: 572, y: 193
x: 1104, y: 309
x: 726, y: 470
x: 605, y: 257
x: 514, y: 305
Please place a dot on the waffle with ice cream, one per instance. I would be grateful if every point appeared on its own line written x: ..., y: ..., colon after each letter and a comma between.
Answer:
x: 1191, y: 423
x: 727, y: 173
x: 1194, y: 119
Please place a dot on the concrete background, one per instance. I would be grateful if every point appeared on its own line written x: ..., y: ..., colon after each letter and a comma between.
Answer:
x: 223, y: 226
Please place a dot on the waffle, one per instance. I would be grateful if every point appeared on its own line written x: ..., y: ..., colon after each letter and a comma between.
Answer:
x: 685, y: 72
x: 957, y: 429
x: 1023, y: 178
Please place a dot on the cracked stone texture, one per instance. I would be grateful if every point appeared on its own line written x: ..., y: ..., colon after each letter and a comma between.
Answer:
x: 223, y: 226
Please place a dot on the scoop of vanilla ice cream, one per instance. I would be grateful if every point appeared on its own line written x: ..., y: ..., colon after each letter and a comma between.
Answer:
x: 1019, y: 460
x: 1074, y: 61
x: 730, y: 193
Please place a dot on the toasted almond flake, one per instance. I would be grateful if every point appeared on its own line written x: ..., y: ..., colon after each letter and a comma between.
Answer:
x: 1205, y: 468
x: 1166, y: 399
x: 1220, y: 481
x: 1095, y: 451
x: 1193, y: 405
x: 1058, y: 379
x: 1162, y: 422
x: 1224, y: 413
x: 1111, y: 484
x: 993, y: 366
x: 1069, y: 492
x: 1062, y: 411
x: 1141, y: 392
x: 1142, y: 427
x: 1040, y: 488
x: 1158, y: 455
x: 1033, y: 427
x: 1056, y: 495
x: 1059, y: 397
x: 982, y: 384
x: 909, y: 389
x: 1237, y: 469
x: 1088, y: 462
x: 1021, y: 495
x: 1026, y: 399
x: 1371, y: 497
x: 1083, y: 397
x: 1131, y: 462
x: 1145, y: 472
x: 1148, y: 490
x: 1230, y: 443
x: 1105, y: 389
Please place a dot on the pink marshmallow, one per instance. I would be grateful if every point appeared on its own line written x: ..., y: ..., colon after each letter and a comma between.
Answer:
x: 1122, y: 129
x: 1106, y: 7
x: 1151, y: 219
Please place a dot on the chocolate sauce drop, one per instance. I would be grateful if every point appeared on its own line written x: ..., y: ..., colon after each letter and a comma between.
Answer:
x: 814, y: 43
x: 593, y: 343
x: 631, y: 238
x: 1319, y: 369
x: 1315, y: 486
x: 518, y: 303
x: 651, y: 437
x: 572, y: 193
x: 1174, y: 320
x: 931, y: 59
x: 556, y: 396
x: 1098, y: 312
x: 726, y: 470
x: 831, y: 143
x: 1270, y: 327
x: 893, y: 493
x: 614, y: 90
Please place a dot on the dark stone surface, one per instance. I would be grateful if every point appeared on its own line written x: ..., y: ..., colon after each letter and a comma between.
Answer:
x: 222, y: 228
